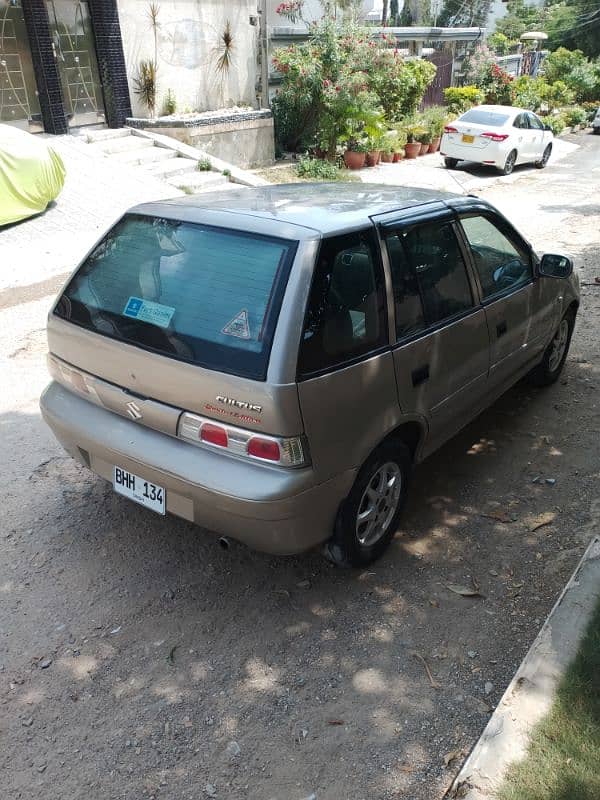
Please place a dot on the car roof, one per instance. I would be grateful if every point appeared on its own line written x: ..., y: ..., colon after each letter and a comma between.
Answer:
x: 511, y: 110
x: 321, y: 207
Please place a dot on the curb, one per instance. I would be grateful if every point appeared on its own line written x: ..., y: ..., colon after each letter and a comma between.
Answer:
x: 531, y: 691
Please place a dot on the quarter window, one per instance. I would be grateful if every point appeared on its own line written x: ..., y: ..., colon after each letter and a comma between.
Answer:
x: 502, y: 264
x: 535, y: 123
x: 346, y: 315
x: 429, y: 276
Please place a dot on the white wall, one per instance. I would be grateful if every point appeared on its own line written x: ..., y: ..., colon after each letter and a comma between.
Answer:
x: 188, y: 38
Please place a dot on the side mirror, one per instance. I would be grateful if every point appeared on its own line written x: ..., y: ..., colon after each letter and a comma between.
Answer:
x: 555, y: 266
x: 547, y: 128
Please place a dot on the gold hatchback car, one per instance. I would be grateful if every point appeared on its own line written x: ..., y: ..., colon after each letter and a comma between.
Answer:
x: 270, y: 363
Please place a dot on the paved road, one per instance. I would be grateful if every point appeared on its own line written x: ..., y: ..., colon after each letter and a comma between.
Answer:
x: 164, y: 649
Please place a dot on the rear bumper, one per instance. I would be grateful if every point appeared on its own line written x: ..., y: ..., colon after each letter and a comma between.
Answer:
x: 272, y: 509
x: 492, y: 154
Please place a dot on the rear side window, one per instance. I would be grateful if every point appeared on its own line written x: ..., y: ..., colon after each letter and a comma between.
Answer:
x: 206, y: 295
x: 346, y: 315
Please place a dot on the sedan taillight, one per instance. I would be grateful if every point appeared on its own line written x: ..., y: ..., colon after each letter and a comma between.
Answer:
x: 495, y: 137
x: 285, y: 452
x: 450, y: 129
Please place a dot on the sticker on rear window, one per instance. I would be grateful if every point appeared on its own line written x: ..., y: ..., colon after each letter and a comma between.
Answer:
x: 147, y: 311
x: 238, y: 326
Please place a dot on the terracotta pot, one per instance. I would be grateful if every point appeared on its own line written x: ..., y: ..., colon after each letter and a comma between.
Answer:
x: 435, y: 145
x: 373, y: 158
x: 387, y: 158
x: 398, y: 157
x: 424, y: 149
x: 412, y: 149
x: 354, y: 160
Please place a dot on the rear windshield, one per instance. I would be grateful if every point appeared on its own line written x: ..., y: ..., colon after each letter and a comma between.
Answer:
x: 201, y: 294
x: 479, y: 117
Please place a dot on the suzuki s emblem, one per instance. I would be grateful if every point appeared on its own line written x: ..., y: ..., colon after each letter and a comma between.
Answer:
x: 134, y: 411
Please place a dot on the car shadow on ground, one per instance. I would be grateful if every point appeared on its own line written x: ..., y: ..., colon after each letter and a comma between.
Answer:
x: 183, y: 647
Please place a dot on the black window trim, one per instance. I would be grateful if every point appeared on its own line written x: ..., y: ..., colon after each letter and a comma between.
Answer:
x: 389, y: 229
x: 511, y: 234
x: 380, y: 349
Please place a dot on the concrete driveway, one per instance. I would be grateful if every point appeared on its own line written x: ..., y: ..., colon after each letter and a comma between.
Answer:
x: 138, y: 660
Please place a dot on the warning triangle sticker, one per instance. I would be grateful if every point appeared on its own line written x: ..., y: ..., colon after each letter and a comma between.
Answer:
x: 238, y: 326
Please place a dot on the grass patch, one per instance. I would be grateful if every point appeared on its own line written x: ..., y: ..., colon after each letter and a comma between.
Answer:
x: 563, y: 761
x: 303, y: 171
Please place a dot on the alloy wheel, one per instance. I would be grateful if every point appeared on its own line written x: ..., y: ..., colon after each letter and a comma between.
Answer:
x: 559, y: 345
x: 378, y: 504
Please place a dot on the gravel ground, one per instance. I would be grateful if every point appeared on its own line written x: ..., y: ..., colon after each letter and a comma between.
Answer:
x: 138, y: 660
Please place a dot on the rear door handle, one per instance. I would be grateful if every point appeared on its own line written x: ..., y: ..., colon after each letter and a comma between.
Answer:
x: 420, y: 375
x: 501, y: 328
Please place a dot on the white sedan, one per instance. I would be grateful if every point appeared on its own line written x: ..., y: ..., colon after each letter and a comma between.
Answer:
x: 501, y: 136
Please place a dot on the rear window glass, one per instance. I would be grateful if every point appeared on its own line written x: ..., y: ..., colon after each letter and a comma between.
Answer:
x: 201, y: 294
x: 478, y: 117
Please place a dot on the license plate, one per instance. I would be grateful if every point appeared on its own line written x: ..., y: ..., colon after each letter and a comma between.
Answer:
x: 140, y: 490
x: 468, y: 139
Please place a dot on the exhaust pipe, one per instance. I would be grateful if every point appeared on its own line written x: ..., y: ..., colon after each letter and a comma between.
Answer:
x: 224, y: 543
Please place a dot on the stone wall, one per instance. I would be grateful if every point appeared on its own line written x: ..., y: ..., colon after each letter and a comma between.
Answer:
x: 242, y: 138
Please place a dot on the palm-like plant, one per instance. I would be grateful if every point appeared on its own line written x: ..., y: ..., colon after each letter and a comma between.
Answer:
x: 145, y: 85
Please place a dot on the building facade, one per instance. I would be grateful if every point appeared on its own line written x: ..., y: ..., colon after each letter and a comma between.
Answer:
x: 69, y: 63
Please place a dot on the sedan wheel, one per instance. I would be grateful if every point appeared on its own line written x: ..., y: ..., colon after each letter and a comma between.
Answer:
x: 509, y: 164
x: 545, y: 158
x: 558, y: 346
x: 550, y: 367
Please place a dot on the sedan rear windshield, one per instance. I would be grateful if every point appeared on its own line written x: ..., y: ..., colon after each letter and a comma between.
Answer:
x: 479, y: 117
x: 207, y: 295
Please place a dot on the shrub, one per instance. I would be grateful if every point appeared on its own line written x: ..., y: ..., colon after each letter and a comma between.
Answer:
x: 435, y: 118
x: 556, y: 122
x: 530, y: 92
x: 460, y: 98
x: 169, y: 103
x: 497, y: 85
x: 499, y: 43
x: 560, y: 63
x: 340, y: 83
x: 575, y: 115
x: 204, y: 165
x: 317, y: 169
x: 558, y: 94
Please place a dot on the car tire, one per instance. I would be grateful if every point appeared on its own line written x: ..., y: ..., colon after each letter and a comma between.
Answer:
x: 380, y: 488
x: 550, y: 367
x: 596, y: 131
x: 545, y: 157
x: 451, y: 163
x: 509, y: 164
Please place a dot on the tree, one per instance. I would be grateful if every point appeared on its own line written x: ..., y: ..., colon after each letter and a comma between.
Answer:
x: 394, y: 12
x: 520, y: 17
x: 471, y: 13
x: 574, y: 24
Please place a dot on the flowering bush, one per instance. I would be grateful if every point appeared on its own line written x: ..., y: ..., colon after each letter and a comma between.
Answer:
x: 291, y: 10
x: 341, y: 83
x: 497, y: 85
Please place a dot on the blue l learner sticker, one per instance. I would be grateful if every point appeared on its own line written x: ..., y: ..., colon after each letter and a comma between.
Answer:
x: 147, y: 311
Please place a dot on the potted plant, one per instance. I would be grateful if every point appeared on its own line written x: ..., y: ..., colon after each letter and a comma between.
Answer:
x: 436, y: 117
x: 399, y: 143
x: 412, y: 148
x: 355, y: 154
x: 399, y: 155
x: 374, y: 147
x: 388, y: 147
x: 424, y: 139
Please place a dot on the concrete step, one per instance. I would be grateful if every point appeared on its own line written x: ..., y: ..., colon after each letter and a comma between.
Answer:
x: 145, y: 155
x: 198, y: 181
x: 122, y: 144
x: 104, y: 134
x: 176, y: 166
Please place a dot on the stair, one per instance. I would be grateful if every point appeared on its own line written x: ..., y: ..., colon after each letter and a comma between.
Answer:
x: 123, y: 146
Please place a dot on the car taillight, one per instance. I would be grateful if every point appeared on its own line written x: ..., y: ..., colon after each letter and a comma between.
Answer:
x: 495, y: 137
x: 284, y: 451
x: 450, y: 129
x: 72, y: 378
x: 214, y: 434
x: 264, y: 448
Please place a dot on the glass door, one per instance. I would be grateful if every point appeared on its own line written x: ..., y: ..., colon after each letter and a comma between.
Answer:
x: 19, y: 104
x: 75, y: 53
